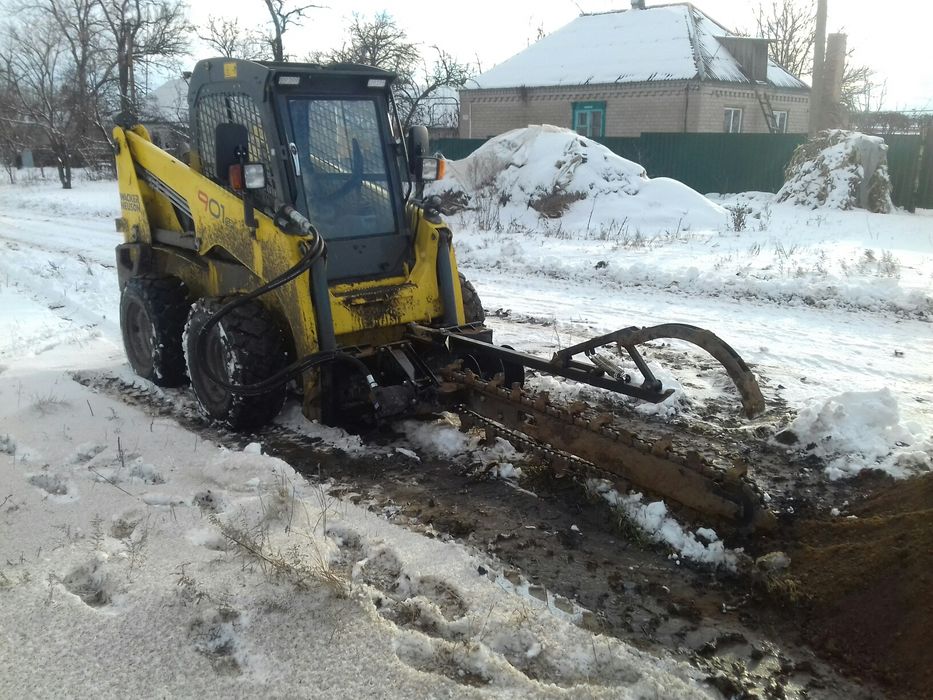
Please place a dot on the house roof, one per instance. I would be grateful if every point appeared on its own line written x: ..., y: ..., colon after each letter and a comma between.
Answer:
x: 169, y: 101
x: 664, y: 42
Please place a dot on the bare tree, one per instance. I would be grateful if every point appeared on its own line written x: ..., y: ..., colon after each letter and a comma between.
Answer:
x: 283, y: 17
x: 791, y: 27
x: 231, y: 40
x: 38, y: 76
x: 81, y: 29
x: 860, y: 91
x: 14, y: 134
x: 143, y: 31
x: 380, y: 42
x: 417, y: 98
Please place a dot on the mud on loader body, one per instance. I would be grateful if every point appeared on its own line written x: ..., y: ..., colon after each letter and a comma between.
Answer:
x: 295, y: 248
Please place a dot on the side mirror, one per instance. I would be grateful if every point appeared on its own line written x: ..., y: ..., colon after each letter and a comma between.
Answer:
x: 418, y: 146
x: 231, y: 144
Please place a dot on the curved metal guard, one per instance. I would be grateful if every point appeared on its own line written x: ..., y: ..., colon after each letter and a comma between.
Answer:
x: 752, y: 400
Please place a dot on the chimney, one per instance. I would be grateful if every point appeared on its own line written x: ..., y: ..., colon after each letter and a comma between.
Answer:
x: 638, y: 4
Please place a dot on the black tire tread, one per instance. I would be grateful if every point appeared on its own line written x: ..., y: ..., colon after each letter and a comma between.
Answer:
x: 166, y: 302
x: 258, y: 343
x: 472, y: 305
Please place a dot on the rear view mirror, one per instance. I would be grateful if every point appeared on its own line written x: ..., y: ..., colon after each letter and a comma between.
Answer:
x: 418, y: 147
x: 231, y: 148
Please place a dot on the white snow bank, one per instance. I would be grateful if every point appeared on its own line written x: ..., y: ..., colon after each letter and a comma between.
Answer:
x: 840, y: 170
x: 780, y: 255
x: 860, y: 430
x: 529, y: 175
x: 87, y: 199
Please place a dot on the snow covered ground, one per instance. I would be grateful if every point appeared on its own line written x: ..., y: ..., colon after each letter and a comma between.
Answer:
x: 832, y: 308
x: 136, y: 559
x: 116, y: 576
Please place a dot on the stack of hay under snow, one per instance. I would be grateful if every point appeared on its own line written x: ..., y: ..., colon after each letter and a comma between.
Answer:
x: 548, y: 177
x: 841, y: 170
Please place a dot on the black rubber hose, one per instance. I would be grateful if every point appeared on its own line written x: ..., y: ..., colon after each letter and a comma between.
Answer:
x: 285, y: 374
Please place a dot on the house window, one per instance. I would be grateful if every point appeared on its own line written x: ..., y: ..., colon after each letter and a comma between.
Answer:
x: 780, y: 121
x: 589, y: 118
x: 733, y: 120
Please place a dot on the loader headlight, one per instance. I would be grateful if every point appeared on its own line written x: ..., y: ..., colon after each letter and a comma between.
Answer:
x: 249, y: 176
x: 432, y: 169
x: 254, y: 175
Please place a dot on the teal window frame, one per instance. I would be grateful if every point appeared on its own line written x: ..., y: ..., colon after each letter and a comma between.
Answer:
x: 584, y: 119
x: 781, y: 122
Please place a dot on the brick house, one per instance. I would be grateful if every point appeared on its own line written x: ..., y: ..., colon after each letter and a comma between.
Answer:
x: 666, y: 68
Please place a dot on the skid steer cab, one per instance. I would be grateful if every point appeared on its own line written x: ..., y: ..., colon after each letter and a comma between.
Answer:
x: 291, y: 250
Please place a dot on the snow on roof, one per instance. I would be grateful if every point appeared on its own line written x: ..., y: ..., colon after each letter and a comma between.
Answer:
x: 169, y: 101
x: 666, y: 42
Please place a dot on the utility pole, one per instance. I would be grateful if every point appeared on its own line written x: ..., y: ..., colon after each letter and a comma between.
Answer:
x: 819, y: 52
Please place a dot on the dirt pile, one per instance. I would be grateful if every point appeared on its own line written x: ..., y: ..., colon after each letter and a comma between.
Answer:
x: 870, y: 582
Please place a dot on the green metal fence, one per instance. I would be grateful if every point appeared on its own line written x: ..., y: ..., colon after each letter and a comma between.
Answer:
x: 903, y: 164
x: 925, y: 176
x: 744, y: 162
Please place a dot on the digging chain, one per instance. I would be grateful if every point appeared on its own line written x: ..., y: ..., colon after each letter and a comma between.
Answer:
x: 470, y: 418
x: 529, y: 420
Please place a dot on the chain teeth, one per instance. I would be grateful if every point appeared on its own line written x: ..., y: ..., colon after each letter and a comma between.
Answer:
x: 731, y: 477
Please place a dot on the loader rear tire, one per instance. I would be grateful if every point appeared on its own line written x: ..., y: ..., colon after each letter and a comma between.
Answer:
x: 245, y: 347
x: 153, y: 310
x: 472, y: 306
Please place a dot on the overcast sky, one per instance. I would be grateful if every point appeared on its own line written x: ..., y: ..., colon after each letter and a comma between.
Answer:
x: 893, y: 37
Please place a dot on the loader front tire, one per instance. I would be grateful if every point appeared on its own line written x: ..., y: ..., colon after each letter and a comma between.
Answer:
x: 472, y: 306
x: 153, y: 310
x: 245, y: 347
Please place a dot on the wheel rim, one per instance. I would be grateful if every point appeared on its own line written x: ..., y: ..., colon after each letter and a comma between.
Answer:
x: 139, y: 338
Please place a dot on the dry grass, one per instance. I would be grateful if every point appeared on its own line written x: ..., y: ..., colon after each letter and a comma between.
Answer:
x: 553, y: 204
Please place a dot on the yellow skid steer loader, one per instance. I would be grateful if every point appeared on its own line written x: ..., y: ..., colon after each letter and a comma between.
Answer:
x: 295, y: 248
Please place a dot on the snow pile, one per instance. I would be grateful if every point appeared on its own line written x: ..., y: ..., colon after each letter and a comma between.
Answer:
x: 528, y: 176
x: 841, y: 170
x: 860, y: 430
x: 653, y: 518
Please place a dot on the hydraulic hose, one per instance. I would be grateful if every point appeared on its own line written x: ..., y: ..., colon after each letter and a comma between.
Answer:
x: 315, y: 250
